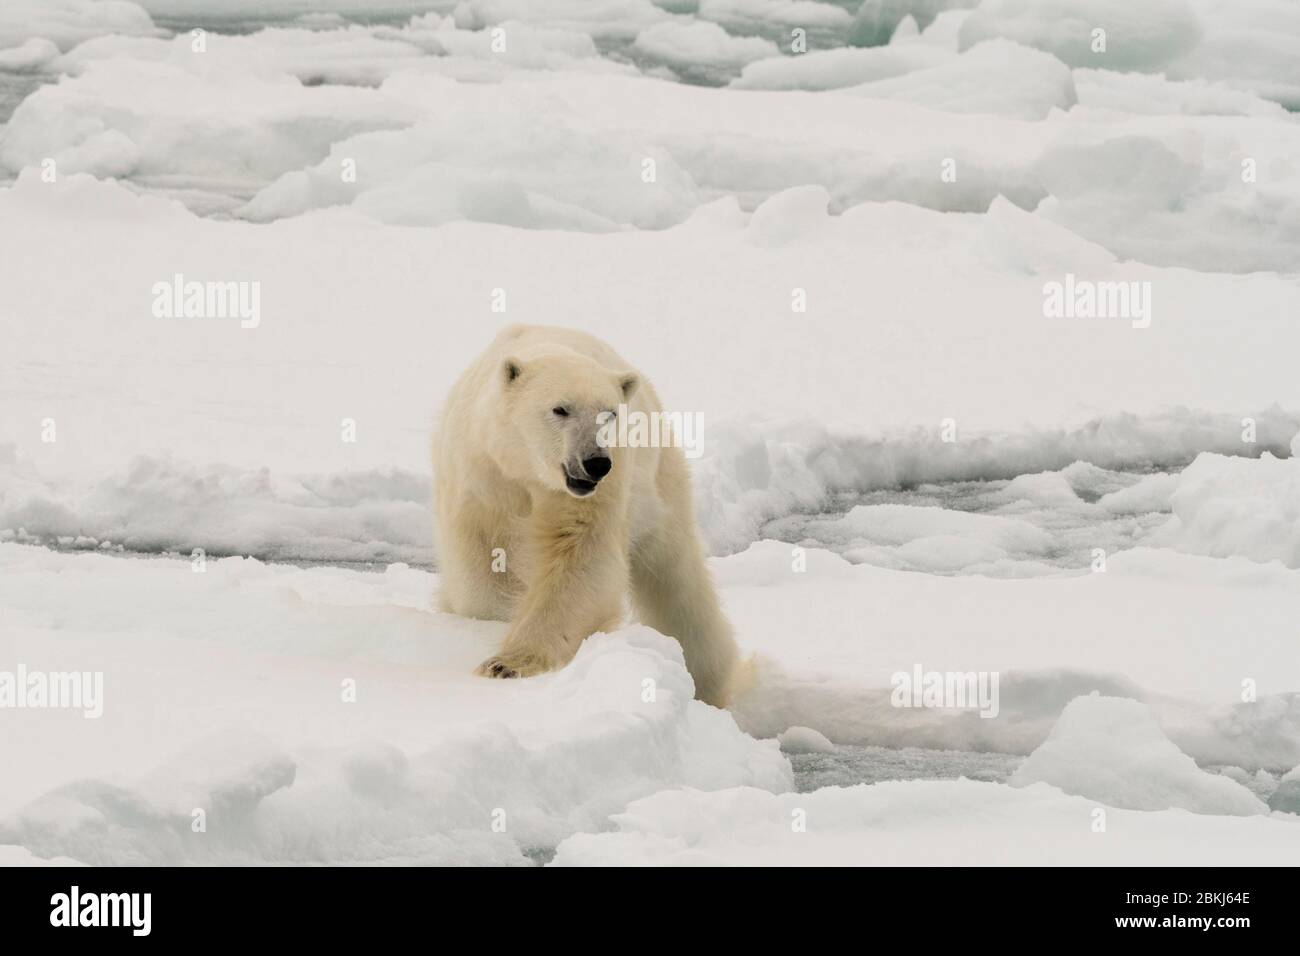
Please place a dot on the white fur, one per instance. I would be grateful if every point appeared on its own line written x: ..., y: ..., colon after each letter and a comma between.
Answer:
x: 499, y: 460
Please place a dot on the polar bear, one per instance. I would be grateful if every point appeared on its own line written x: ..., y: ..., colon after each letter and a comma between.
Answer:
x: 542, y: 525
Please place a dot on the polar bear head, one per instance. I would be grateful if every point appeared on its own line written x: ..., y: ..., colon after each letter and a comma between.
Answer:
x: 557, y: 408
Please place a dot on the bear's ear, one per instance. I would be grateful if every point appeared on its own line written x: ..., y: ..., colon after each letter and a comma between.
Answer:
x: 628, y: 382
x: 511, y: 369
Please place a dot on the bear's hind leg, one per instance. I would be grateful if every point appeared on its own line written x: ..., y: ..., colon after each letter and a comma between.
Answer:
x: 673, y: 592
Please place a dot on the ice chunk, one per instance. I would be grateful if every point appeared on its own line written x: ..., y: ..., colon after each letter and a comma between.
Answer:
x: 1239, y: 506
x: 996, y: 76
x: 1287, y: 795
x: 1152, y: 493
x: 700, y: 44
x: 804, y: 740
x: 1112, y: 750
x: 830, y: 69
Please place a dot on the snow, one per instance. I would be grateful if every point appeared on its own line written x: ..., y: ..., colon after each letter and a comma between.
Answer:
x: 857, y: 625
x: 1112, y: 750
x: 1149, y: 168
x: 919, y: 823
x: 1017, y: 387
x: 248, y: 660
x: 837, y: 259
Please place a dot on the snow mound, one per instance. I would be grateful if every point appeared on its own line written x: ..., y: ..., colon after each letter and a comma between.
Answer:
x: 789, y: 215
x: 1232, y: 506
x: 1112, y: 750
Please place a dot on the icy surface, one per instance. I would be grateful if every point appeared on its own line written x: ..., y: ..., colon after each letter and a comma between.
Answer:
x: 920, y: 823
x: 250, y: 661
x: 914, y: 467
x: 1151, y: 166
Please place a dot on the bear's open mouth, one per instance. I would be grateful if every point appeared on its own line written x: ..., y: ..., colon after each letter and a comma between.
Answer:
x: 578, y: 486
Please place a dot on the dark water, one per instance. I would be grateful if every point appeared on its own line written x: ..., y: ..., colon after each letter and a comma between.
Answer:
x: 848, y: 766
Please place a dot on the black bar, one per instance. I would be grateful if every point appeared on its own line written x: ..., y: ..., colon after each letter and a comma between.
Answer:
x: 333, y: 906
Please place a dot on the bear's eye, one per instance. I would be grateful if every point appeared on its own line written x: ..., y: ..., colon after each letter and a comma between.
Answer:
x: 561, y: 411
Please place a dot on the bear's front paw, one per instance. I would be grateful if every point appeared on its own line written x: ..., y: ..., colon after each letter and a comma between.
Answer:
x: 496, y: 667
x: 509, y: 664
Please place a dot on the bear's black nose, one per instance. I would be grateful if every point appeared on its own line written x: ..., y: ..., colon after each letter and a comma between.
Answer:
x: 597, y: 468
